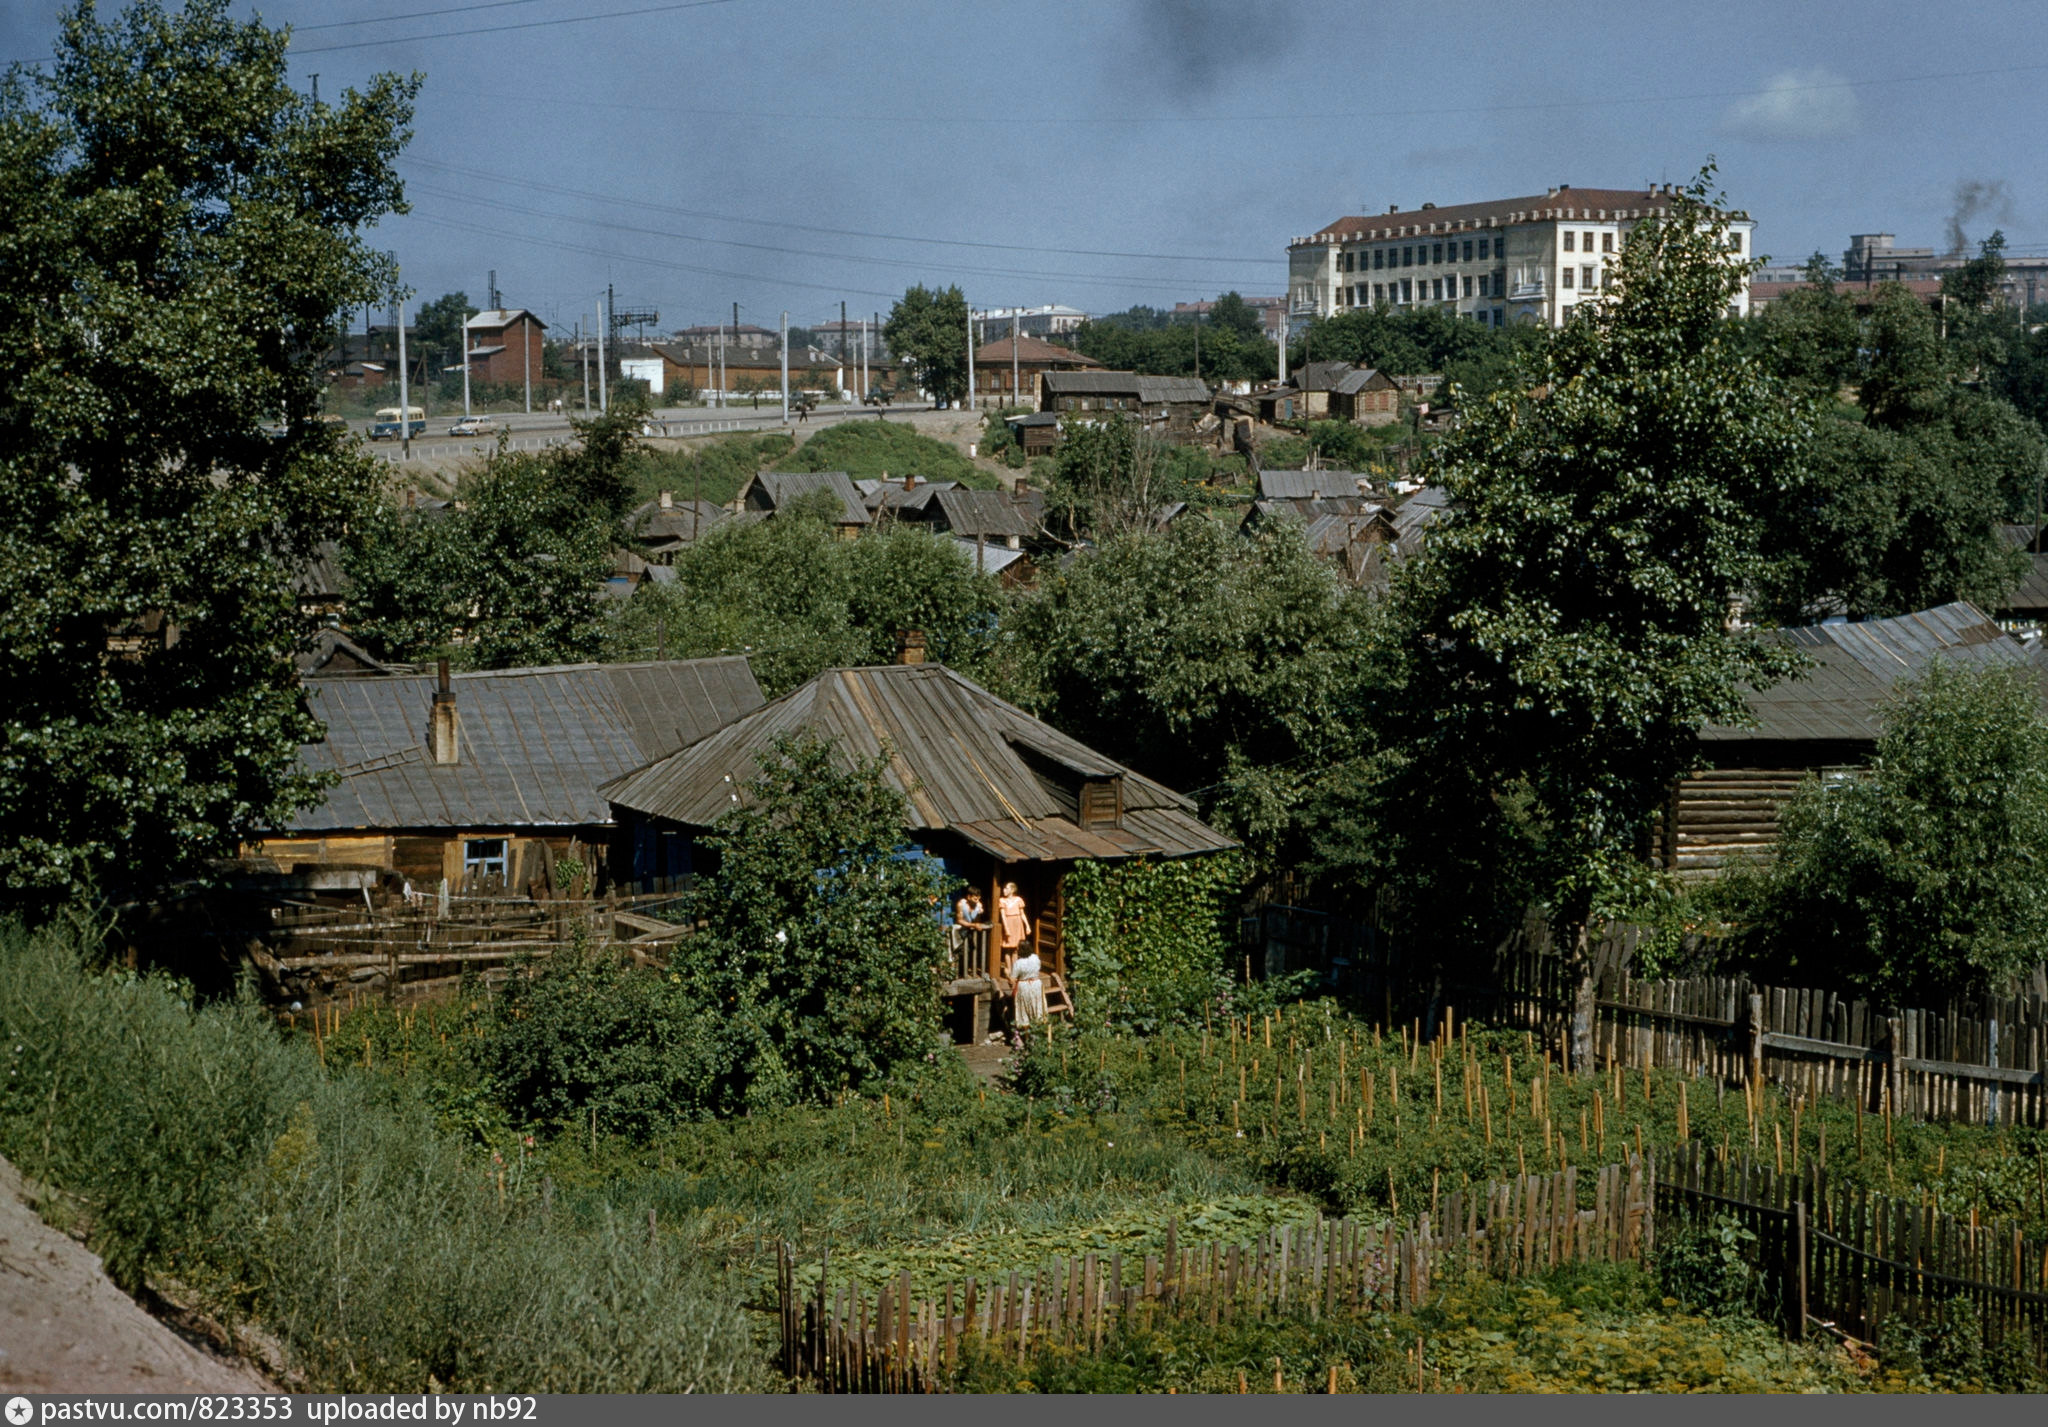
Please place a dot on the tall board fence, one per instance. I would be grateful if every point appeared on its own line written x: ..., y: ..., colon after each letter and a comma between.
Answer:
x: 846, y: 1338
x: 1984, y: 1061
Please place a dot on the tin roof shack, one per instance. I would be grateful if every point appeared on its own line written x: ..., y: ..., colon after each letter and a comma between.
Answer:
x: 2026, y: 608
x: 663, y: 526
x: 1037, y: 432
x: 1173, y: 405
x: 1367, y: 397
x: 1350, y: 531
x: 907, y: 499
x: 1315, y: 381
x: 992, y: 792
x: 774, y: 491
x: 1013, y: 519
x: 485, y: 778
x: 1824, y: 720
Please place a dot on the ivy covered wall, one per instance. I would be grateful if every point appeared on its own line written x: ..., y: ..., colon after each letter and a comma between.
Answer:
x: 1147, y: 941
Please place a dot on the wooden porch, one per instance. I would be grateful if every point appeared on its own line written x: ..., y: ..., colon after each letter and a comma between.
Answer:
x: 974, y: 986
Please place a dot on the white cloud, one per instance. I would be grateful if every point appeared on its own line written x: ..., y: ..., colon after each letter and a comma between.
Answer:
x: 1797, y: 104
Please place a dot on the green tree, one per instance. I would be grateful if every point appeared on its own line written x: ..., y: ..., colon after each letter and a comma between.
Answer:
x: 1885, y: 523
x: 927, y: 332
x: 817, y: 946
x: 1109, y: 477
x: 1554, y: 652
x: 1221, y: 665
x: 182, y: 229
x: 797, y: 600
x: 1907, y: 366
x: 1921, y: 877
x: 509, y: 576
x: 437, y: 329
x: 1812, y: 335
x: 1233, y: 314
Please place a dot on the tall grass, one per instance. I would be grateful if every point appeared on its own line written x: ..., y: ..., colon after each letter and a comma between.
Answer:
x: 329, y: 1204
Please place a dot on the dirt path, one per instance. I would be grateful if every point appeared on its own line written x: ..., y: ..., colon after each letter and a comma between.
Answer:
x: 64, y: 1327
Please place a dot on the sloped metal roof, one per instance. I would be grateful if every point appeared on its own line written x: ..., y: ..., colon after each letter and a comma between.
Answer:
x: 956, y: 754
x: 779, y: 488
x: 535, y: 743
x: 996, y: 514
x: 1150, y: 390
x: 1309, y: 485
x: 1856, y: 666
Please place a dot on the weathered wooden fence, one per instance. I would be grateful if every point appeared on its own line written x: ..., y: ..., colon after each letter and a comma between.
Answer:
x: 1849, y: 1260
x: 846, y: 1338
x: 1983, y: 1061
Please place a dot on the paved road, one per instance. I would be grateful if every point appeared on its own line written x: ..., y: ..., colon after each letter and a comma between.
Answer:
x: 542, y: 430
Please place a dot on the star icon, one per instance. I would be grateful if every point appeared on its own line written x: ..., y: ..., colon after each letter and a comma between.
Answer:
x: 19, y: 1411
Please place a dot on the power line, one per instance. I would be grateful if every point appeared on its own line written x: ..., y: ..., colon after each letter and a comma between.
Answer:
x: 522, y: 25
x: 915, y: 265
x: 411, y: 15
x: 557, y: 189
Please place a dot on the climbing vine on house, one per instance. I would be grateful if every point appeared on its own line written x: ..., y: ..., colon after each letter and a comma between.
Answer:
x: 1147, y: 940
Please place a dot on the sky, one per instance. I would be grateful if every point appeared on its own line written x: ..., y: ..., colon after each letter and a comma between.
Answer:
x: 789, y: 155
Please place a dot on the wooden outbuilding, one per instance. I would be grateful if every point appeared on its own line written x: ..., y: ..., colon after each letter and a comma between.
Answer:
x: 992, y: 793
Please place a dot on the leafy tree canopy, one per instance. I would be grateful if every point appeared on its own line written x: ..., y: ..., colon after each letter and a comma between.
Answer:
x: 182, y: 228
x: 927, y: 332
x: 796, y: 600
x: 1566, y: 633
x: 818, y: 944
x: 1221, y: 665
x: 895, y: 449
x: 437, y: 326
x: 1920, y: 878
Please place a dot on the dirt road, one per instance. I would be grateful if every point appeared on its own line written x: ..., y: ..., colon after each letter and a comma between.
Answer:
x: 64, y: 1327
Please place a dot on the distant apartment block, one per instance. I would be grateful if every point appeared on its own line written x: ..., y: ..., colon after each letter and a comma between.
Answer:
x: 1510, y: 260
x: 1052, y: 320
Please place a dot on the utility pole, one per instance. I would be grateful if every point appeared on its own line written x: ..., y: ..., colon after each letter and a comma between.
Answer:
x: 525, y: 350
x: 719, y: 399
x: 1013, y: 359
x: 1280, y: 341
x: 583, y: 359
x: 465, y: 366
x: 844, y: 349
x: 604, y: 319
x: 404, y: 390
x: 970, y: 358
x: 785, y: 369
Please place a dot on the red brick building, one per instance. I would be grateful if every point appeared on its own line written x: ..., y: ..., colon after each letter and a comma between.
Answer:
x: 504, y: 346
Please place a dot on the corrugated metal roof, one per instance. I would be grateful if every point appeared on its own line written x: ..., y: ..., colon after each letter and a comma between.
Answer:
x: 1360, y: 380
x: 994, y: 558
x: 535, y: 743
x: 1856, y: 666
x: 1309, y: 485
x: 995, y: 514
x: 773, y: 490
x: 1150, y: 390
x: 680, y: 520
x: 892, y: 495
x: 956, y: 753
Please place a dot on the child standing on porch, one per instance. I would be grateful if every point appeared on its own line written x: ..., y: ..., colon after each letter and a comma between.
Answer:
x: 1016, y: 926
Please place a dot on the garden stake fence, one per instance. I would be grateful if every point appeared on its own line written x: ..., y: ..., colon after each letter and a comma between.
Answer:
x: 844, y: 1338
x: 1850, y: 1261
x: 1983, y: 1061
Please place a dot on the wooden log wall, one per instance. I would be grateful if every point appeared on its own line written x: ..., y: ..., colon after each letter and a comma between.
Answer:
x: 842, y: 1337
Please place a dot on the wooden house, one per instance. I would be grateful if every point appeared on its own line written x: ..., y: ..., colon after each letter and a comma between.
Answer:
x: 1173, y: 405
x: 1012, y: 374
x: 662, y: 527
x: 1367, y: 397
x: 774, y: 491
x: 485, y: 778
x: 991, y: 792
x: 1822, y: 722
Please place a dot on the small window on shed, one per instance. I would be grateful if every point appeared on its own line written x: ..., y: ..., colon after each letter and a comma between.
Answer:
x: 485, y: 856
x: 1102, y: 802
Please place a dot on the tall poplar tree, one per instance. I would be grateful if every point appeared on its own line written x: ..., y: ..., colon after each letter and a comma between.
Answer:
x: 180, y: 231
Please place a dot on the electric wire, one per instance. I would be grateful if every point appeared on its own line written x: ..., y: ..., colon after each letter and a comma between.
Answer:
x: 519, y: 25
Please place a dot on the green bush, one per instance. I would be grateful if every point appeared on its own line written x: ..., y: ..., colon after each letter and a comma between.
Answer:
x: 874, y: 449
x: 591, y: 1039
x: 1147, y: 939
x: 1711, y: 1267
x: 330, y: 1205
x: 1921, y: 877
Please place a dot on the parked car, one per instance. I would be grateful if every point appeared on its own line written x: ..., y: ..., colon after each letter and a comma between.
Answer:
x: 474, y: 426
x: 876, y: 397
x: 388, y: 427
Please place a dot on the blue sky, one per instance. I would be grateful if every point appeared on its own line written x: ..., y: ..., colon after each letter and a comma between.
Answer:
x: 788, y: 154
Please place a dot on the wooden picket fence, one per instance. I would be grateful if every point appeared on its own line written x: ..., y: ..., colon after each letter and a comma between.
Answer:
x: 1983, y: 1061
x: 1849, y: 1260
x: 845, y: 1338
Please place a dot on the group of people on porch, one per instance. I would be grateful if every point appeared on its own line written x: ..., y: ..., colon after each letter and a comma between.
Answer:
x: 1022, y: 974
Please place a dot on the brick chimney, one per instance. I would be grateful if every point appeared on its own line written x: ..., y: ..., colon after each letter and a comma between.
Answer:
x: 910, y: 646
x: 444, y: 725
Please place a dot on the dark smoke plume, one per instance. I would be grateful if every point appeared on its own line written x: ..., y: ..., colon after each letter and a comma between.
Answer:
x: 1976, y: 198
x: 1193, y: 44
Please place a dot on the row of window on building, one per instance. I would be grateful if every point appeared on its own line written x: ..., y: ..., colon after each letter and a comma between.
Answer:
x: 1470, y: 250
x: 1586, y: 276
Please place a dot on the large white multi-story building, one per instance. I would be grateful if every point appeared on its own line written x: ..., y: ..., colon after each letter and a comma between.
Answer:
x: 1510, y: 260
